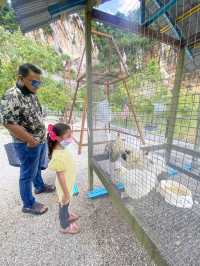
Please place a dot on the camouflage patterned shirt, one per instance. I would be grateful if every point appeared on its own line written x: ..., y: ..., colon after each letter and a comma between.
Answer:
x: 21, y: 107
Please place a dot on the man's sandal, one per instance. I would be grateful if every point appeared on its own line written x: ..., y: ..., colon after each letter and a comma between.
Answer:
x: 46, y: 189
x: 36, y: 209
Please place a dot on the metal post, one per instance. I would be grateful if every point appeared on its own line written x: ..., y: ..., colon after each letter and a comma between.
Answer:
x: 197, y: 138
x: 174, y: 102
x: 142, y: 7
x: 88, y: 46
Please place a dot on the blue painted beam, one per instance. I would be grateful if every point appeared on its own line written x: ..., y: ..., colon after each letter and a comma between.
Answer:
x: 175, y: 27
x: 70, y: 5
x: 142, y: 7
x: 162, y: 10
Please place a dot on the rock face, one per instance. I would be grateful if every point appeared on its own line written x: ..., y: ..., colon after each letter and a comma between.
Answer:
x: 66, y: 36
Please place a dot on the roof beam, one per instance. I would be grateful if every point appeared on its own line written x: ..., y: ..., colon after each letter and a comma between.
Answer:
x: 162, y: 10
x: 63, y: 6
x: 175, y: 28
x: 70, y: 5
x: 187, y: 14
x: 129, y: 26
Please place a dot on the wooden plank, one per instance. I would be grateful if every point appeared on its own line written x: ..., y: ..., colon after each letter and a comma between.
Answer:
x: 84, y: 114
x: 132, y: 27
x: 82, y: 77
x: 120, y: 56
x: 124, y: 132
x: 134, y: 113
x: 73, y: 102
x: 101, y: 34
x: 119, y: 79
x: 77, y: 87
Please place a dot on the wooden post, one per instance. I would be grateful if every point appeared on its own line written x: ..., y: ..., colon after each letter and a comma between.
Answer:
x: 88, y: 49
x: 174, y: 102
x: 73, y: 102
x: 77, y: 87
x: 140, y: 131
x: 82, y: 126
x: 120, y: 56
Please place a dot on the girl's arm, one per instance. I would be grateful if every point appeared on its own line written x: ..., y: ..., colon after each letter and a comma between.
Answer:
x: 62, y: 181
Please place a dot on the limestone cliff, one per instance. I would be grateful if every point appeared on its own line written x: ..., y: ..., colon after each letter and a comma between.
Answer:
x: 67, y: 37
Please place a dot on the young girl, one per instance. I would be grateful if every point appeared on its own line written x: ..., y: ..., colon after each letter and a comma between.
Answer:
x: 62, y: 162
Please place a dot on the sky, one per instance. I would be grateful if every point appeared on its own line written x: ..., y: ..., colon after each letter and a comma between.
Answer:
x: 123, y: 6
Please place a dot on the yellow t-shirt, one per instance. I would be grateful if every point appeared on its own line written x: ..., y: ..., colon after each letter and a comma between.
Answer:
x: 62, y: 161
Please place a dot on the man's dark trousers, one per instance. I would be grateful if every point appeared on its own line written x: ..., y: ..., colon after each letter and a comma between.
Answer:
x: 31, y: 160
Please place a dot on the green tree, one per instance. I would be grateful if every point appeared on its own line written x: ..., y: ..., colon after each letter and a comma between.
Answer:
x: 16, y: 49
x: 8, y: 19
x: 132, y: 44
x: 53, y: 95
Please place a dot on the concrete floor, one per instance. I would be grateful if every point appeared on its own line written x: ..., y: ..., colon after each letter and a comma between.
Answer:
x: 105, y: 238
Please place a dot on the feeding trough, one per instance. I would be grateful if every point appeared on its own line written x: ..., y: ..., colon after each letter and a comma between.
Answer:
x: 176, y: 194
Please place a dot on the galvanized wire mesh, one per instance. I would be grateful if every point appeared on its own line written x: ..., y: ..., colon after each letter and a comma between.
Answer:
x: 161, y: 177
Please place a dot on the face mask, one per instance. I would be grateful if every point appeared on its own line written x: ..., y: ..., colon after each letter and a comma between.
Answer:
x: 36, y: 84
x: 66, y: 142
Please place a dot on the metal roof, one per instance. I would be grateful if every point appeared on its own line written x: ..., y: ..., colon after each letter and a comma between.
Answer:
x: 33, y: 14
x: 179, y: 19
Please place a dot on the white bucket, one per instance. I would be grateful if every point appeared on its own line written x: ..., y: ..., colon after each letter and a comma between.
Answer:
x: 176, y: 194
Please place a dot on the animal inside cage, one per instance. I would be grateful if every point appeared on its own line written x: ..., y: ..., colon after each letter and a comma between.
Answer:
x: 151, y: 131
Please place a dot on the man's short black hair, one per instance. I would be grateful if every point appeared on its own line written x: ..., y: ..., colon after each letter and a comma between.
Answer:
x: 25, y: 69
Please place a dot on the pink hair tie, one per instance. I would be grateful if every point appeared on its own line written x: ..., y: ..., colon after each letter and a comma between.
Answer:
x: 52, y: 134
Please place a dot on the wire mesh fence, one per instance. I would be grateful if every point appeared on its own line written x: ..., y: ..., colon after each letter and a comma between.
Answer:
x: 149, y: 121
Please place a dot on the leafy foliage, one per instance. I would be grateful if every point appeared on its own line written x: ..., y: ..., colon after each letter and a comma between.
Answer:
x: 53, y: 95
x: 131, y: 44
x: 7, y: 18
x: 16, y: 49
x: 149, y: 82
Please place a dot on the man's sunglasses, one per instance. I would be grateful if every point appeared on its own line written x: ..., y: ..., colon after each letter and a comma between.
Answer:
x: 36, y: 84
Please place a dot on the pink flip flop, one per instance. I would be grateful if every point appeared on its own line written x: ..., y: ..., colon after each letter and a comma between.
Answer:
x: 73, y: 217
x: 71, y: 229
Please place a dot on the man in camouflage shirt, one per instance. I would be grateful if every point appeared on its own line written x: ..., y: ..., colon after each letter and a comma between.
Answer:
x: 22, y: 116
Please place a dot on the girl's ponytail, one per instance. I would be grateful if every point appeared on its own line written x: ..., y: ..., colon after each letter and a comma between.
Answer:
x: 51, y: 145
x: 54, y: 131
